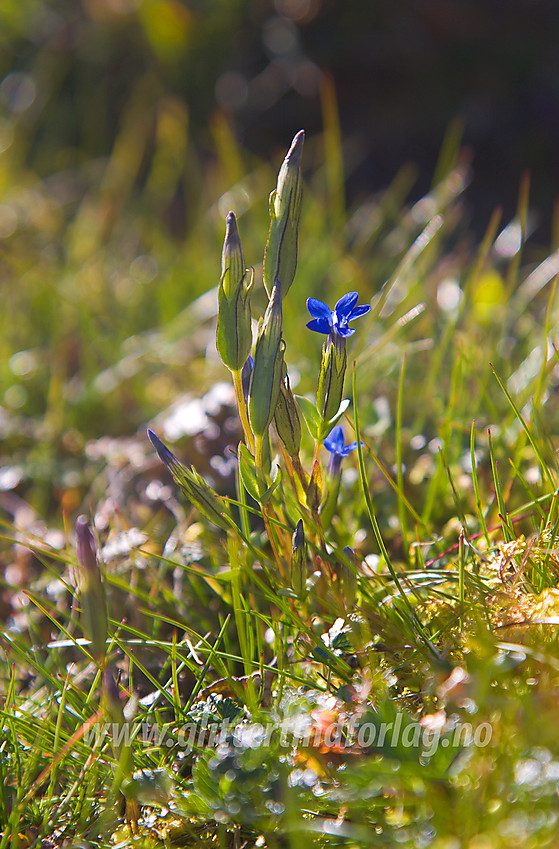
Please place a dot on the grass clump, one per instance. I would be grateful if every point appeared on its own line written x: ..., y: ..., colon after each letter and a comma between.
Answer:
x: 344, y: 630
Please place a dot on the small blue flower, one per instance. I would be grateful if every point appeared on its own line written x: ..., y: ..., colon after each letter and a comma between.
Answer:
x: 338, y: 450
x: 335, y: 322
x: 335, y: 443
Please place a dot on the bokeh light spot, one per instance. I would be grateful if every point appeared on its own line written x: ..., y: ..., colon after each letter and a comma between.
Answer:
x: 18, y: 91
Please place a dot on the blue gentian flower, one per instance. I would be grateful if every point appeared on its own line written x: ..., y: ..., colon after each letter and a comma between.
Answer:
x: 338, y: 449
x: 335, y: 443
x: 335, y: 322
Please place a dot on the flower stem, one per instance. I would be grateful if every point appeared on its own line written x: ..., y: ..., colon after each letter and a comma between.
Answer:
x: 267, y: 509
x: 243, y: 414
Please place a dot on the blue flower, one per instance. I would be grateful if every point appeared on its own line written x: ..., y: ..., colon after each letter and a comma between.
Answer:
x: 338, y: 450
x: 335, y: 322
x: 335, y: 443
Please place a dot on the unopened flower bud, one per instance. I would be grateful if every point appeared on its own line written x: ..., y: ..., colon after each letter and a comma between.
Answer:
x: 234, y: 332
x: 200, y: 493
x: 92, y: 592
x: 268, y: 364
x: 314, y: 492
x: 286, y: 418
x: 232, y: 259
x: 280, y: 256
x: 86, y: 547
x: 299, y: 561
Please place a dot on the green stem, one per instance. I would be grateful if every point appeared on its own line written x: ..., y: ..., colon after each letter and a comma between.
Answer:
x: 266, y: 508
x: 296, y: 462
x: 241, y: 406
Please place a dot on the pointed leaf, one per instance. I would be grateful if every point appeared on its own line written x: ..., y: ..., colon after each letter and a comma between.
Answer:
x: 247, y: 470
x: 310, y: 414
x: 271, y: 489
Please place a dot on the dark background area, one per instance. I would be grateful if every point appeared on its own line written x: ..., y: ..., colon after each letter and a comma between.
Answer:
x: 402, y: 72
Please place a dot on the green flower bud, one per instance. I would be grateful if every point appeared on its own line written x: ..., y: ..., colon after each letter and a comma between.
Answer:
x: 314, y: 492
x: 299, y: 561
x: 286, y: 418
x: 280, y: 256
x: 232, y: 259
x: 208, y: 502
x: 92, y: 592
x: 331, y: 378
x: 234, y: 332
x: 268, y: 364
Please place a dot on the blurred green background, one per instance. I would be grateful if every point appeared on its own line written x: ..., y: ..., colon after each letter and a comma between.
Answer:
x: 75, y: 71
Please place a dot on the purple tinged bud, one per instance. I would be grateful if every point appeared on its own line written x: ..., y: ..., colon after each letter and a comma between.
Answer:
x: 299, y: 561
x: 86, y: 547
x: 167, y: 457
x: 246, y: 374
x: 193, y: 485
x: 299, y: 536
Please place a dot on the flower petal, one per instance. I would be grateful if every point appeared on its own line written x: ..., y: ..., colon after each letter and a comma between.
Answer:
x: 353, y: 445
x: 320, y: 325
x: 357, y: 312
x: 344, y: 332
x: 346, y: 304
x: 335, y: 442
x: 318, y: 309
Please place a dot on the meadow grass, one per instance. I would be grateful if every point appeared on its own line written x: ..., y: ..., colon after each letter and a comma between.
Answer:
x: 390, y: 676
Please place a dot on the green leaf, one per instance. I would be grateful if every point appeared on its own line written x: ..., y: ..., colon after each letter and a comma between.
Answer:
x: 310, y: 414
x: 247, y: 470
x: 326, y: 427
x: 271, y: 489
x: 341, y: 410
